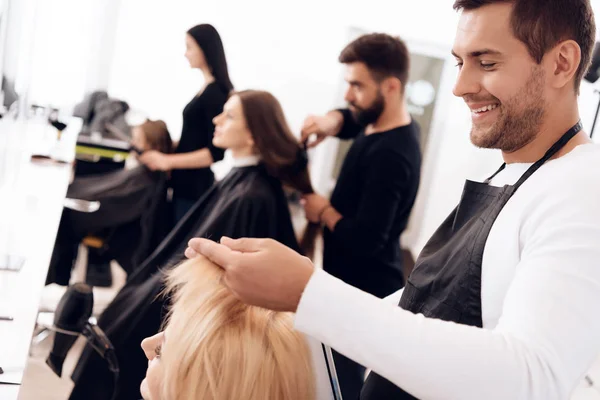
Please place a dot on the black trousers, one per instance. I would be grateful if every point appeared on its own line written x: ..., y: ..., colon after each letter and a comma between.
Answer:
x: 64, y: 253
x: 73, y: 227
x: 351, y: 376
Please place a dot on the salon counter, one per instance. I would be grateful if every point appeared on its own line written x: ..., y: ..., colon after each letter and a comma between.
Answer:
x: 31, y: 203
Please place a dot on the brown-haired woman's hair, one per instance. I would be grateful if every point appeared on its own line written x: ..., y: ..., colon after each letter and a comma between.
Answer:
x: 217, y: 347
x: 157, y: 136
x: 542, y: 24
x: 281, y: 153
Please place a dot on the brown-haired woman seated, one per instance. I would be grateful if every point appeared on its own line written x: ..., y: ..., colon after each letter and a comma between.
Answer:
x: 126, y: 196
x: 248, y: 202
x: 215, y: 347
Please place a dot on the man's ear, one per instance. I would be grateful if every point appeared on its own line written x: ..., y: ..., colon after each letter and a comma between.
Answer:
x: 564, y: 61
x: 391, y: 85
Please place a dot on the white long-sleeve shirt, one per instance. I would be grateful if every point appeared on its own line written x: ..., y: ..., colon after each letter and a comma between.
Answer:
x: 540, y: 301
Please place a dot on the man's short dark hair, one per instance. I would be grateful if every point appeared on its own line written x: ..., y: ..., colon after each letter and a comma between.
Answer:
x: 384, y: 55
x: 542, y: 24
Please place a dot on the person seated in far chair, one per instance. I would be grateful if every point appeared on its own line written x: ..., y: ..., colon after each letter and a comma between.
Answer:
x: 129, y: 199
x: 215, y: 347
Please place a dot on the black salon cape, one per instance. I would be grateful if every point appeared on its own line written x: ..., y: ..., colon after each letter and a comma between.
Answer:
x: 247, y: 203
x: 130, y: 202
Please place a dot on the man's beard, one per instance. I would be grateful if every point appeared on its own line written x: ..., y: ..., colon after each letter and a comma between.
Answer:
x: 520, y: 118
x: 370, y: 114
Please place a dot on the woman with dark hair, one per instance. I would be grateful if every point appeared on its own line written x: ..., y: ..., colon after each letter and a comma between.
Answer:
x: 192, y: 176
x: 249, y: 202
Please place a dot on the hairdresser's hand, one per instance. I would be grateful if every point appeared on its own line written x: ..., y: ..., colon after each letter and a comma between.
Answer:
x: 261, y: 272
x: 314, y: 205
x: 155, y: 160
x: 322, y: 126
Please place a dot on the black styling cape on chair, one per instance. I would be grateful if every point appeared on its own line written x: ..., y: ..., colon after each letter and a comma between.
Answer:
x: 131, y: 201
x: 247, y: 203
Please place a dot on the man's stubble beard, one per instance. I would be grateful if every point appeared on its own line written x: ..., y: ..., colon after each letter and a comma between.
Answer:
x: 520, y: 118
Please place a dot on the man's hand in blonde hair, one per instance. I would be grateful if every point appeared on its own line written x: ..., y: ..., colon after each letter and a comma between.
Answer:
x: 261, y: 272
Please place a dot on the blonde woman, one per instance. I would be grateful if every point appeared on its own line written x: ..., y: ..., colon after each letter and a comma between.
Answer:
x: 216, y: 347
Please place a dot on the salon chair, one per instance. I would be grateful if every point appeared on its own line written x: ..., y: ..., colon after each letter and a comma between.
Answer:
x: 98, y: 155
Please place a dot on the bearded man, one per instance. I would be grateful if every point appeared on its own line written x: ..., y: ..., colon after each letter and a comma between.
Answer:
x: 378, y: 182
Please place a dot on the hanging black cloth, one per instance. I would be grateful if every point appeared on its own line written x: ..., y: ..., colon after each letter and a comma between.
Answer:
x: 130, y: 201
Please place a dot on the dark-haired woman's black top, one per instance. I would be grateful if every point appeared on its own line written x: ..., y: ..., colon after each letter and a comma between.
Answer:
x: 196, y: 134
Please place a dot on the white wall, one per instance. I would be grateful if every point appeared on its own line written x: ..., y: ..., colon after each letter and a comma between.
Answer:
x: 13, y: 31
x: 57, y: 50
x: 291, y: 50
x: 101, y: 35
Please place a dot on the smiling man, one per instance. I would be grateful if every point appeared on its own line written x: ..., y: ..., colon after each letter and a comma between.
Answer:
x: 500, y: 304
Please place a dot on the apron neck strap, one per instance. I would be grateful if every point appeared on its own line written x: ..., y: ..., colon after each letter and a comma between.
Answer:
x: 488, y: 180
x: 556, y: 147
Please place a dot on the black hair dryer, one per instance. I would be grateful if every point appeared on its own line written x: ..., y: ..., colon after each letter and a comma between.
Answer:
x: 71, y: 320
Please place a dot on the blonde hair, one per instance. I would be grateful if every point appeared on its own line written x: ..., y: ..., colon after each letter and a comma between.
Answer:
x: 218, y: 348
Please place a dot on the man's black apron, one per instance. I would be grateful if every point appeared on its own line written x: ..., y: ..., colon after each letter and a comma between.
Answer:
x: 446, y: 281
